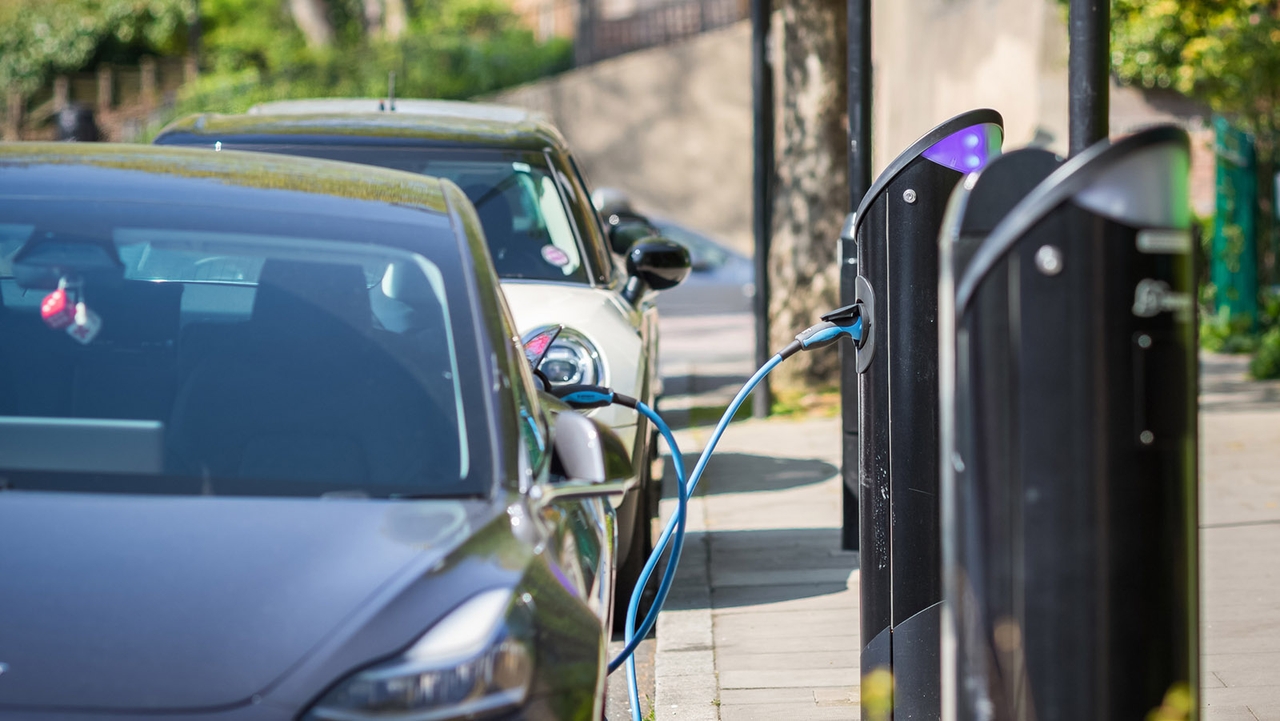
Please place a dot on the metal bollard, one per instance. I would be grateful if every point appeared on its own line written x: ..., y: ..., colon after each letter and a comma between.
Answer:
x: 1068, y: 371
x: 896, y: 231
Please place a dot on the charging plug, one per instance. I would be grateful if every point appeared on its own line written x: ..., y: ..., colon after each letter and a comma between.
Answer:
x: 583, y: 397
x: 846, y: 322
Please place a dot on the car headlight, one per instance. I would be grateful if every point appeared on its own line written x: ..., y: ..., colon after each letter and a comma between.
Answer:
x: 476, y: 661
x: 571, y: 359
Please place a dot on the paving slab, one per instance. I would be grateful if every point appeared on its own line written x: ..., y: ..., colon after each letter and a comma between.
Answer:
x: 788, y: 711
x: 785, y: 659
x: 782, y: 596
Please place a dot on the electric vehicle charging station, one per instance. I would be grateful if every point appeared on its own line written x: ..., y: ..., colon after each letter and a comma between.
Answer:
x: 896, y: 231
x: 1069, y: 473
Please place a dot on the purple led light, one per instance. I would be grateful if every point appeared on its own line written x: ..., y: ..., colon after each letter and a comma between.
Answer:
x: 967, y: 150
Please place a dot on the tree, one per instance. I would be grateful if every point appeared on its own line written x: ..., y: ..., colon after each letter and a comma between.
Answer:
x: 1225, y: 53
x: 39, y: 38
x: 396, y: 19
x: 312, y: 17
x: 811, y: 191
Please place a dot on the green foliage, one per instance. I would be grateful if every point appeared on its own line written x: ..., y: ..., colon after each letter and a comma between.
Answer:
x: 1269, y: 310
x: 1266, y: 361
x: 247, y: 34
x: 450, y: 67
x: 252, y: 51
x: 1223, y: 52
x: 1221, y: 333
x: 41, y: 37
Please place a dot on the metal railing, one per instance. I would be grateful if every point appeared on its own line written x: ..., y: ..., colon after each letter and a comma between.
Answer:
x: 121, y: 99
x: 601, y: 38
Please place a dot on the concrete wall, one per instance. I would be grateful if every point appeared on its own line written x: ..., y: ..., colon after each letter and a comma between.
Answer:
x: 672, y: 125
x: 936, y: 58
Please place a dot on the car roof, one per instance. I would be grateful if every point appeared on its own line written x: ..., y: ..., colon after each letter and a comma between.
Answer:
x: 189, y: 175
x: 440, y: 108
x: 413, y: 122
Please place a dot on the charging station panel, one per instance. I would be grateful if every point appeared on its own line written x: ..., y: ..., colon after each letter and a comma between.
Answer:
x: 1069, y: 485
x: 896, y: 231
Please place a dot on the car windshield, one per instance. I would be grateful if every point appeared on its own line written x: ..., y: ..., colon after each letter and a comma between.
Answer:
x: 526, y: 224
x: 202, y: 357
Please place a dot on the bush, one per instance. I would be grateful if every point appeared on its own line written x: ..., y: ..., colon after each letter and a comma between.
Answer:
x: 448, y: 69
x: 1266, y: 361
x: 1220, y: 333
x: 450, y: 49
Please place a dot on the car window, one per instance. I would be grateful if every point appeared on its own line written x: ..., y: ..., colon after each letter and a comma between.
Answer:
x: 145, y: 358
x: 526, y: 224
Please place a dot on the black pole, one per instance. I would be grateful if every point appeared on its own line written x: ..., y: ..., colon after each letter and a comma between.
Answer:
x: 762, y: 195
x: 1089, y: 72
x: 859, y: 181
x: 584, y: 49
x: 859, y: 102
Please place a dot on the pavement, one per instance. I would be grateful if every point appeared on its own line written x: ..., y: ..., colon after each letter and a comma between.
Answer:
x: 762, y: 622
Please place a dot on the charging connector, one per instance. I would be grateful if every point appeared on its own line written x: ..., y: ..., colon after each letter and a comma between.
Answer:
x: 847, y: 322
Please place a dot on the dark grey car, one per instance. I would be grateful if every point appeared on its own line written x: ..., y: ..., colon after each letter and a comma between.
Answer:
x: 269, y: 450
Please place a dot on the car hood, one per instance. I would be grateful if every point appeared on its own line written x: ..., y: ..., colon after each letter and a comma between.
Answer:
x: 136, y: 603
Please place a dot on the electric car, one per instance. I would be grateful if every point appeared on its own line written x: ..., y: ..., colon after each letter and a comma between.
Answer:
x: 269, y: 449
x: 549, y: 246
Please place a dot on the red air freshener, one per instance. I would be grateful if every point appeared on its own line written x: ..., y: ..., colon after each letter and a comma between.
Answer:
x: 56, y: 310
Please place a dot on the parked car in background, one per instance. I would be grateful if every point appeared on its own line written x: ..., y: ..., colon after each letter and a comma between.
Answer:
x: 269, y: 450
x: 548, y: 245
x: 722, y: 279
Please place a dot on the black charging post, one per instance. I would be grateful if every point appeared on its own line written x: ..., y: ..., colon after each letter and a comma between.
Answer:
x: 896, y: 232
x: 1069, y: 428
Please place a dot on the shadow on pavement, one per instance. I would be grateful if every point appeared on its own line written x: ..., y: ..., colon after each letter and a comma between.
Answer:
x: 767, y: 566
x: 746, y: 473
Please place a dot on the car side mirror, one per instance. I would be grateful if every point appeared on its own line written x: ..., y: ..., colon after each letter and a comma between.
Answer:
x: 656, y: 263
x: 588, y: 456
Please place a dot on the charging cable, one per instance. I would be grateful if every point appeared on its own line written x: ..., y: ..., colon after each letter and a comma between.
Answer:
x: 846, y: 322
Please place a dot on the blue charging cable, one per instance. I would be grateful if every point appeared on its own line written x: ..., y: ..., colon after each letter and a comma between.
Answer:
x: 840, y: 323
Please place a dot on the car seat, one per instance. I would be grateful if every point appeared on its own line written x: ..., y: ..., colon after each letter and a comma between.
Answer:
x: 311, y: 396
x: 514, y: 254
